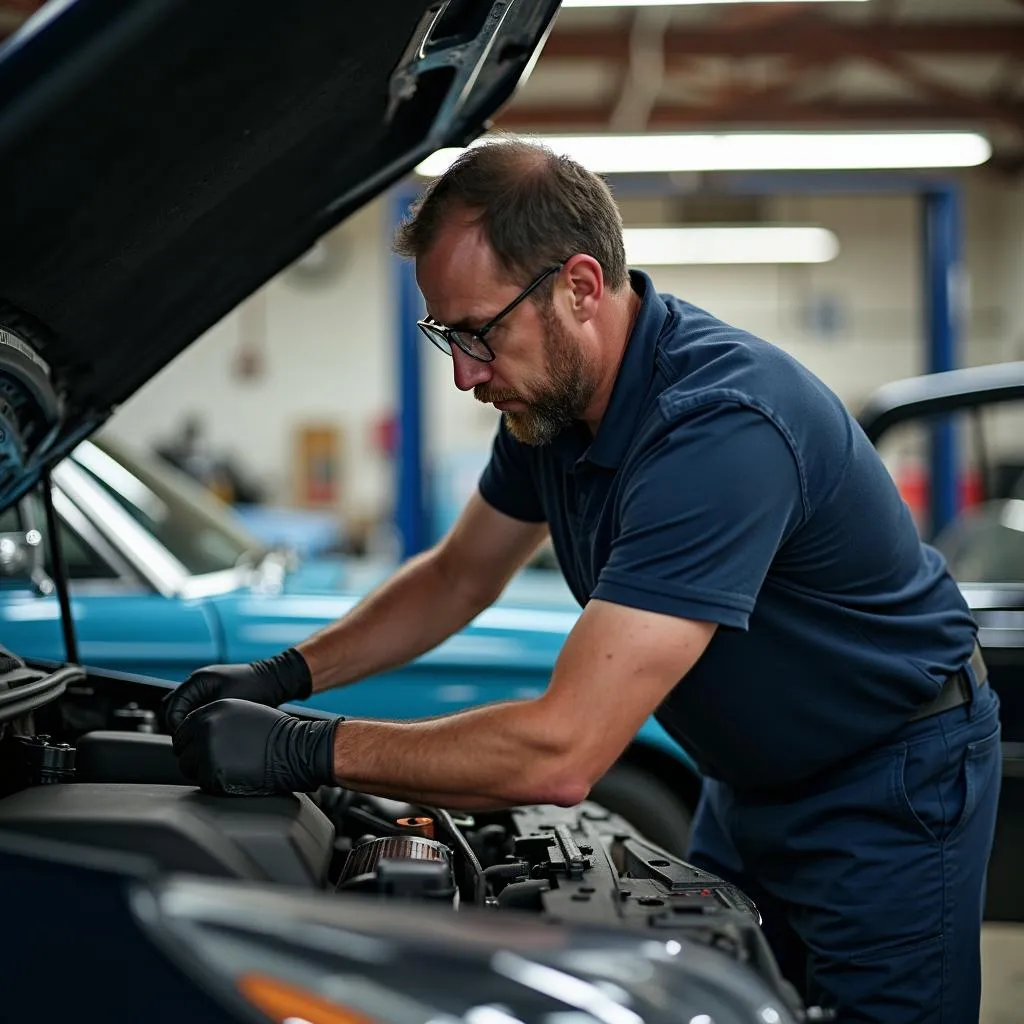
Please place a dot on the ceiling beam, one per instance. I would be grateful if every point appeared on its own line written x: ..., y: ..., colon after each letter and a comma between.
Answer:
x: 754, y: 16
x: 759, y: 114
x: 1006, y: 80
x: 748, y: 100
x: 884, y: 12
x: 810, y: 36
x: 940, y: 94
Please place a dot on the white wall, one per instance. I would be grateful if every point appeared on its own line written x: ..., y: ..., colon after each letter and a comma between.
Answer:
x: 326, y: 359
x: 328, y: 349
x: 857, y: 321
x: 1009, y: 246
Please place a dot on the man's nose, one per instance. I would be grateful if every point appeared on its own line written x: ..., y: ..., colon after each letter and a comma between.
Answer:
x: 469, y: 371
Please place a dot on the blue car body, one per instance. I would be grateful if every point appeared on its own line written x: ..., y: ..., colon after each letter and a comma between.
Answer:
x: 506, y: 653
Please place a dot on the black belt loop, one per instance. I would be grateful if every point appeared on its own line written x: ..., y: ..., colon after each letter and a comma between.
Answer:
x: 958, y: 688
x: 978, y: 666
x: 979, y: 670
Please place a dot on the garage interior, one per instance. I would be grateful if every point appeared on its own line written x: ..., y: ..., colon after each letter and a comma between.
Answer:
x: 320, y: 419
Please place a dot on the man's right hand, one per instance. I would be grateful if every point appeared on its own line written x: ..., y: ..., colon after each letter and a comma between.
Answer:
x: 272, y: 681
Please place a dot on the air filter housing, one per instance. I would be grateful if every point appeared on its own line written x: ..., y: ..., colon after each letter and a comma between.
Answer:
x: 410, y: 867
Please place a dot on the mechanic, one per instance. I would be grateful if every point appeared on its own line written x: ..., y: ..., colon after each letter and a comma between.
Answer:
x: 748, y: 572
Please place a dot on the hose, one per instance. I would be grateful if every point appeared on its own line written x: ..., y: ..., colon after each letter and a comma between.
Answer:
x: 21, y: 699
x: 479, y: 880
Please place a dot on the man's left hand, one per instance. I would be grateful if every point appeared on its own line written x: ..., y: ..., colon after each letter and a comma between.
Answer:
x: 246, y: 749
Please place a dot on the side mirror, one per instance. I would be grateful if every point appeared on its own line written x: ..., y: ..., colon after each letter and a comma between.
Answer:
x: 21, y: 557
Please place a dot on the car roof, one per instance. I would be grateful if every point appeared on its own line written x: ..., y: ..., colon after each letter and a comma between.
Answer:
x: 936, y: 393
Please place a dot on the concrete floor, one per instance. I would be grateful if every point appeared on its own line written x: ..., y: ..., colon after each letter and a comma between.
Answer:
x: 1002, y: 968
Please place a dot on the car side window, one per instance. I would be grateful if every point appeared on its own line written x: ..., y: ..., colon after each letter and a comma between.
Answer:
x: 82, y: 560
x: 984, y: 543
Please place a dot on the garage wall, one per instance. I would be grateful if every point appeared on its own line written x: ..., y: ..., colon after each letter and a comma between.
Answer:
x: 1010, y: 244
x: 857, y: 321
x: 321, y: 341
x: 1004, y: 425
x: 325, y: 339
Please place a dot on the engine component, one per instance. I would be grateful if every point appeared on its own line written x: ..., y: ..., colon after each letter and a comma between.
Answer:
x: 417, y: 827
x: 30, y: 408
x: 284, y: 839
x: 23, y: 689
x: 402, y: 866
x: 117, y: 756
x: 43, y: 763
x: 588, y: 866
x: 473, y: 884
x: 132, y: 718
x: 590, y: 854
x: 365, y: 858
x: 491, y: 843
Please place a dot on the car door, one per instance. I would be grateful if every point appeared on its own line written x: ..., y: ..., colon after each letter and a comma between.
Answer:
x: 983, y: 408
x: 121, y: 623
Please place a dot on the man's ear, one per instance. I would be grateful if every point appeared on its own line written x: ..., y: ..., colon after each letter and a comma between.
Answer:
x: 586, y: 286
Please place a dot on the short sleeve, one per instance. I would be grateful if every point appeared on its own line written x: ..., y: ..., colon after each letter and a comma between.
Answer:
x: 702, y: 516
x: 507, y: 482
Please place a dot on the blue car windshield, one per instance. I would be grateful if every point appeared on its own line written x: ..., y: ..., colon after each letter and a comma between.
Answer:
x: 197, y: 528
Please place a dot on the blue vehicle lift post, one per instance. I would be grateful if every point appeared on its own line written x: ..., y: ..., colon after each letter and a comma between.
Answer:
x: 410, y: 489
x: 942, y: 283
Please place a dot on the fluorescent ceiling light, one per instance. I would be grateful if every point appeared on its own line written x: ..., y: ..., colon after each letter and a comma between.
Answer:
x: 670, y: 3
x: 775, y: 151
x: 647, y: 247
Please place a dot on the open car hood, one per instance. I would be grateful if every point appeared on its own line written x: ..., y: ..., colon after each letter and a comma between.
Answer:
x: 163, y: 160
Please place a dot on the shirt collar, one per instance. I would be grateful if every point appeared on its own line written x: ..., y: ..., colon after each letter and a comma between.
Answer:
x: 618, y: 425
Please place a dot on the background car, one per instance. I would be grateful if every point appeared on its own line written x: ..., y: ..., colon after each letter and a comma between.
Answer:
x: 984, y: 546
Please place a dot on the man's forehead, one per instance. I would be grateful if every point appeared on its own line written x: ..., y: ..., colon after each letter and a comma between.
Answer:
x: 458, y: 275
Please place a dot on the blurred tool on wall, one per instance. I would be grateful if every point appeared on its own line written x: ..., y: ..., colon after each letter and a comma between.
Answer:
x: 190, y: 450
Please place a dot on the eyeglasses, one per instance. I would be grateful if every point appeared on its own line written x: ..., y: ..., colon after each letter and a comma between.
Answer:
x: 473, y: 341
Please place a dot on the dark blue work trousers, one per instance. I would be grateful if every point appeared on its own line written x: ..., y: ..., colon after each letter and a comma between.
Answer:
x: 871, y: 879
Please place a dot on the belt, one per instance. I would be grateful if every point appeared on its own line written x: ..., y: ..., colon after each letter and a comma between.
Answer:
x: 956, y: 690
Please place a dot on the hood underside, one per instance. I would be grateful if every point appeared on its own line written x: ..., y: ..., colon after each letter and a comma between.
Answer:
x: 161, y: 160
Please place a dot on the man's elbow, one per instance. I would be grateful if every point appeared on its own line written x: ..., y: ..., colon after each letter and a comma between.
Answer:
x: 559, y: 782
x: 569, y: 793
x: 559, y: 764
x: 561, y: 793
x: 473, y: 591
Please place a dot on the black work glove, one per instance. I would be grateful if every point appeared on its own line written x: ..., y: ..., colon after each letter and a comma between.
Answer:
x: 272, y: 681
x: 246, y: 749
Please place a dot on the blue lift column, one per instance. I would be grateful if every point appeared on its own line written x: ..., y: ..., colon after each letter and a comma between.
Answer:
x: 410, y: 490
x: 942, y: 280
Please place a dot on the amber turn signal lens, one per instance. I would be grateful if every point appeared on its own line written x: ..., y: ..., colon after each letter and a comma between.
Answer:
x: 283, y: 1002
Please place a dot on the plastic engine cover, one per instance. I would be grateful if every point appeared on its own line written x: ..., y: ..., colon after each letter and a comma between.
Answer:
x: 284, y: 839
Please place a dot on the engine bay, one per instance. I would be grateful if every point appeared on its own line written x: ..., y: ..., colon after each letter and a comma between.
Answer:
x: 88, y: 765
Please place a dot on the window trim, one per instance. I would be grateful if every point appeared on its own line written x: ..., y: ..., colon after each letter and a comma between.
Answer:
x: 125, y: 579
x: 150, y: 559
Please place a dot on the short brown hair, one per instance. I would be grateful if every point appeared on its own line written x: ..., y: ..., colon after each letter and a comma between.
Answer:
x: 536, y: 209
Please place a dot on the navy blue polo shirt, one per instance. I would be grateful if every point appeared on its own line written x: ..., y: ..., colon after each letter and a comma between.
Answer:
x: 727, y: 484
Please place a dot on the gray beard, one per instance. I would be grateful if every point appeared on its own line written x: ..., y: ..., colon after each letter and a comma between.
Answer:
x: 541, y: 424
x: 563, y: 399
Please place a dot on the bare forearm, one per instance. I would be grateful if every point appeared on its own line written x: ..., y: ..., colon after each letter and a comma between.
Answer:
x: 411, y: 613
x: 494, y: 756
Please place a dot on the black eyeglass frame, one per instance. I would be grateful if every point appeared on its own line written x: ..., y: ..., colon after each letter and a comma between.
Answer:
x: 443, y: 337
